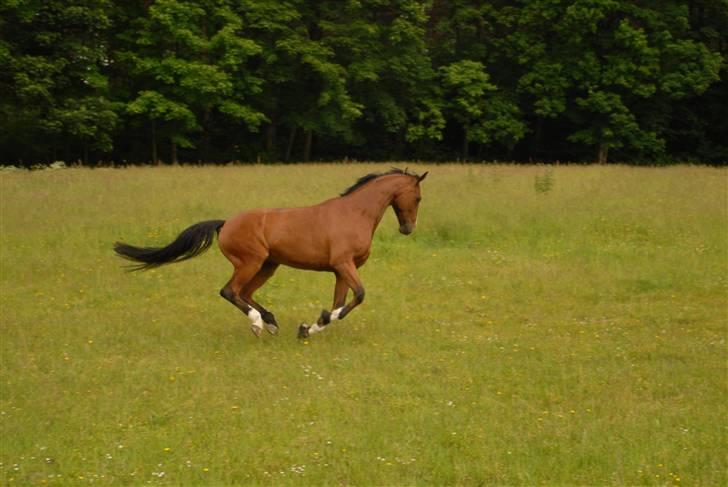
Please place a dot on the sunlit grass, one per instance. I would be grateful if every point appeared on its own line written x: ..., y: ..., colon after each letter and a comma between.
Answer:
x: 562, y: 332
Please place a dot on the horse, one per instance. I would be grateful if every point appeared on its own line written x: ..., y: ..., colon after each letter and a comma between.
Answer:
x: 334, y: 236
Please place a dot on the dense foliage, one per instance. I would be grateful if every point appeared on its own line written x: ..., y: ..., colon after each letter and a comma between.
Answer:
x: 278, y: 80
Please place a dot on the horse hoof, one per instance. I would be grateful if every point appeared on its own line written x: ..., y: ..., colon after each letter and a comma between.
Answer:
x: 268, y: 317
x: 303, y: 331
x: 256, y: 330
x: 271, y: 328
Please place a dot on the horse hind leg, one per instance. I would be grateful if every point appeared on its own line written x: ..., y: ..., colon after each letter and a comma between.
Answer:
x: 232, y: 292
x: 260, y: 278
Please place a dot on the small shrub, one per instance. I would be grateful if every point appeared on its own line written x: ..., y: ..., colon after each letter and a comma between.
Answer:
x: 545, y: 182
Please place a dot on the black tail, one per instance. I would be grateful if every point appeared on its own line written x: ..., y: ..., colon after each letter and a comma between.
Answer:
x: 190, y: 243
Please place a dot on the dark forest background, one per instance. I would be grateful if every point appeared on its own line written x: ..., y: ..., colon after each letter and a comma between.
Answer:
x: 268, y: 80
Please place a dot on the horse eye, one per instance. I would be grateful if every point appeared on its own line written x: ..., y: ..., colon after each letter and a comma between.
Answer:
x: 419, y: 198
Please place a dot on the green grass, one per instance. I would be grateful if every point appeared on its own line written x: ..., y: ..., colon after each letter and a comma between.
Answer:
x: 561, y: 325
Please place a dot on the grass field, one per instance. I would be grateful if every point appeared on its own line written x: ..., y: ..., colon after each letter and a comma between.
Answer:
x: 544, y: 325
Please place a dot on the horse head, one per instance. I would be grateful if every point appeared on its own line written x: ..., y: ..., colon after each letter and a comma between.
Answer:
x: 406, y: 202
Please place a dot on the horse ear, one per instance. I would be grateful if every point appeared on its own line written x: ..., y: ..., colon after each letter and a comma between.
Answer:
x: 419, y: 179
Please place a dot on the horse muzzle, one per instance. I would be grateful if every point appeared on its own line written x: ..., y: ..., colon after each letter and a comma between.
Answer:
x: 406, y: 228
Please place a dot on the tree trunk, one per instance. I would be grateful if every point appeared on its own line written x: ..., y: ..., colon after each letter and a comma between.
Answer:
x: 537, y: 140
x: 270, y: 140
x: 155, y: 159
x: 307, y: 145
x: 174, y: 152
x: 603, y: 153
x: 466, y: 147
x: 204, y: 153
x: 291, y: 140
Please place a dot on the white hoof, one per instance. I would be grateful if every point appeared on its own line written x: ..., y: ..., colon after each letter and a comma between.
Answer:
x: 257, y: 330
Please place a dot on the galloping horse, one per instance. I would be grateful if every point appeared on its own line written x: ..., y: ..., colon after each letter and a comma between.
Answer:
x: 334, y: 236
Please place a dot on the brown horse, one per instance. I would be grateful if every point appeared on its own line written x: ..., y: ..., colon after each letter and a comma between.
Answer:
x: 334, y: 236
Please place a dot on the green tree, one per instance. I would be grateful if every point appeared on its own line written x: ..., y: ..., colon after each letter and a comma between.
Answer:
x: 188, y: 62
x: 697, y: 121
x: 306, y: 89
x: 606, y: 65
x: 263, y: 79
x: 485, y: 114
x: 382, y: 46
x: 55, y: 93
x: 476, y: 72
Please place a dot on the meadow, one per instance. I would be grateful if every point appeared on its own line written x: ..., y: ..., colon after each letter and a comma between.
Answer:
x: 560, y: 325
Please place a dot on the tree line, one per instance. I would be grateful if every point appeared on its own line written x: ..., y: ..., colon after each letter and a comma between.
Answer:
x: 99, y: 81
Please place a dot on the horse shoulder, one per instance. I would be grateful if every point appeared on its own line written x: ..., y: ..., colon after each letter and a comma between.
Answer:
x: 348, y: 243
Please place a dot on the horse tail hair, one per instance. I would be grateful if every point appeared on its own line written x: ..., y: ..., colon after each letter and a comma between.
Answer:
x: 190, y: 243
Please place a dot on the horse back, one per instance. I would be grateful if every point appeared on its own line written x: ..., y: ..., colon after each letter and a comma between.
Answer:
x: 314, y: 237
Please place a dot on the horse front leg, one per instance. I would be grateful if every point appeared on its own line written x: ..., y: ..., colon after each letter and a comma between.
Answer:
x: 346, y: 278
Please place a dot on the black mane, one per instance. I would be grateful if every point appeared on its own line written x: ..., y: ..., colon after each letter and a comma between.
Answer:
x: 372, y: 176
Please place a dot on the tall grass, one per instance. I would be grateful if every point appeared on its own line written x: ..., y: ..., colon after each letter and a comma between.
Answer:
x: 561, y: 326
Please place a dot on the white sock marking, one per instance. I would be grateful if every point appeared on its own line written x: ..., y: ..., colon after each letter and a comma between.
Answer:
x: 315, y: 328
x: 255, y: 317
x: 335, y: 313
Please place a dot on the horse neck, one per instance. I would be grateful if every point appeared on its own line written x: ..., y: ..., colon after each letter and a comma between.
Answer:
x: 373, y: 198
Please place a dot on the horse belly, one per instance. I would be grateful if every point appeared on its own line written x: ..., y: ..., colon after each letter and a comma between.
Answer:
x: 299, y: 253
x: 297, y: 242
